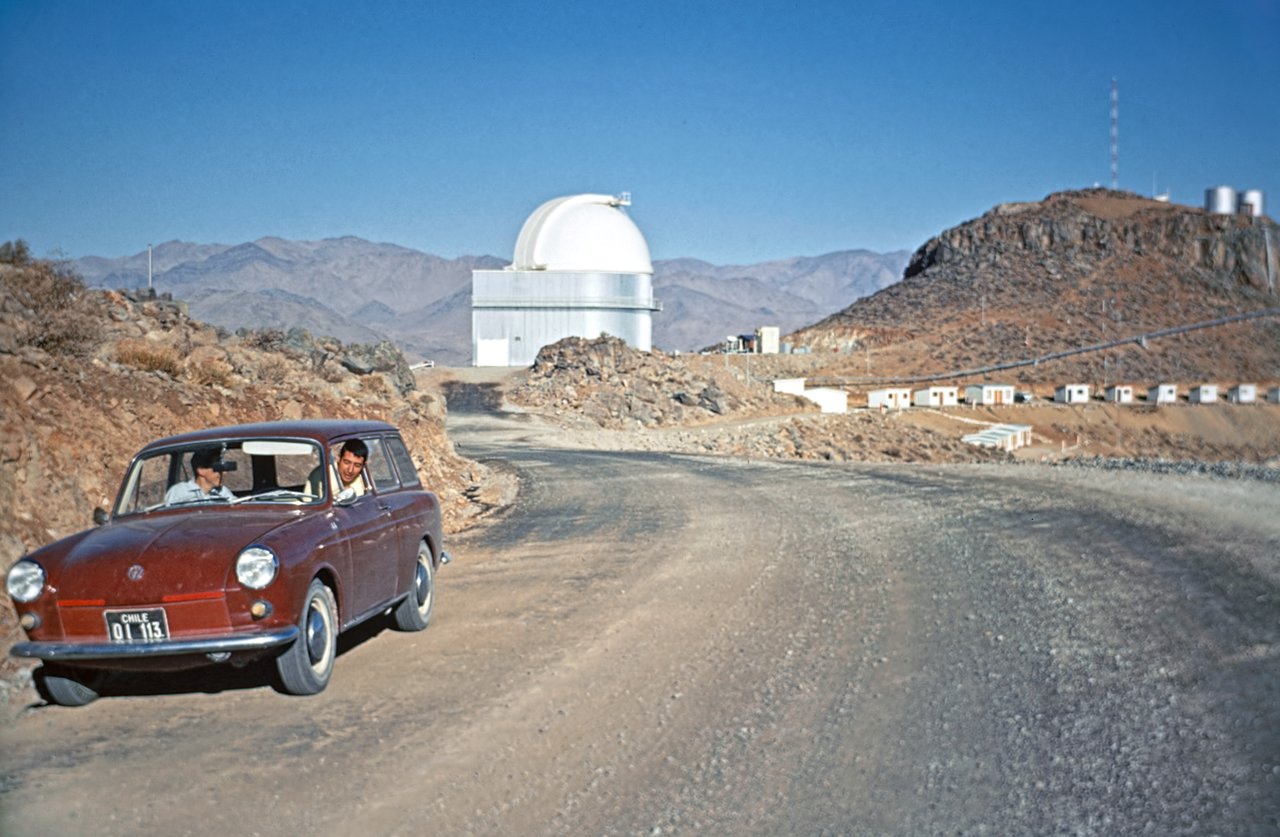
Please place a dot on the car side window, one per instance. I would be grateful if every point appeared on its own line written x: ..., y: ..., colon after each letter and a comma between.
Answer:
x: 404, y: 462
x: 379, y: 466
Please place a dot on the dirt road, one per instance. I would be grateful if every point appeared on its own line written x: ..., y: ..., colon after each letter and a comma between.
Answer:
x: 652, y: 644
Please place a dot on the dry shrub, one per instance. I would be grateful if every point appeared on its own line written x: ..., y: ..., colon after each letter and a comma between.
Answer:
x: 149, y: 357
x: 273, y: 369
x: 375, y: 385
x: 210, y: 372
x: 51, y: 301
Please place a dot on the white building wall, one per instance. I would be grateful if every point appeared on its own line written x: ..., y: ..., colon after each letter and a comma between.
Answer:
x: 830, y: 400
x: 534, y: 308
x: 988, y: 394
x: 936, y: 397
x: 792, y: 386
x: 891, y: 398
x: 1121, y: 394
x: 1243, y: 394
x: 1163, y: 394
x: 1204, y: 394
x: 1072, y: 394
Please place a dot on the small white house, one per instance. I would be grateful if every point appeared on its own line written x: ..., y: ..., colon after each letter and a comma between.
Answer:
x: 1243, y: 394
x: 1119, y: 394
x: 791, y: 386
x: 936, y: 397
x: 1072, y: 394
x: 1163, y: 394
x: 1204, y: 394
x: 988, y: 394
x: 830, y: 400
x: 1273, y: 395
x: 892, y: 398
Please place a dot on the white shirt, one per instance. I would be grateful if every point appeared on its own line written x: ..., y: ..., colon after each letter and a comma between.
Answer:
x: 190, y: 491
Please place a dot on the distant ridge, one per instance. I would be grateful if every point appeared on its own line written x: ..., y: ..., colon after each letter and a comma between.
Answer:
x: 360, y: 291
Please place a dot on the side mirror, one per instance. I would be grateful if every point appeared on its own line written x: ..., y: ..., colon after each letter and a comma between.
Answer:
x: 100, y: 516
x: 345, y: 497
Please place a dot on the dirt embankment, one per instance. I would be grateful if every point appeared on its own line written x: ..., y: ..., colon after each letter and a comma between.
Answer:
x: 88, y: 377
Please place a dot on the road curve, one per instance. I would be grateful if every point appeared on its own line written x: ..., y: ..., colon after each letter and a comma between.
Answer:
x: 653, y: 644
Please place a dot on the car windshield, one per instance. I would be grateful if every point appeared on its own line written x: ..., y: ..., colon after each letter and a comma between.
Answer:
x: 224, y: 472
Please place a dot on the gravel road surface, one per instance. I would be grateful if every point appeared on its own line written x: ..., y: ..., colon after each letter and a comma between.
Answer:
x: 656, y: 644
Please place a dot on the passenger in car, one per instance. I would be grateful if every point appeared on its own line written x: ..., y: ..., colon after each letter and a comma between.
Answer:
x: 348, y: 470
x: 206, y: 484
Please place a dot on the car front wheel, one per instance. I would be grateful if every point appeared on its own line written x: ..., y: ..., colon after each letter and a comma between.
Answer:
x: 414, y: 611
x: 306, y: 666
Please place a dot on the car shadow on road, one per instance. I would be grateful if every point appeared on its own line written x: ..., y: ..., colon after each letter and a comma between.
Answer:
x: 217, y: 678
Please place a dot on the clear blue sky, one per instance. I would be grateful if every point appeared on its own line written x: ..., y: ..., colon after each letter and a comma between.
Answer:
x: 744, y: 130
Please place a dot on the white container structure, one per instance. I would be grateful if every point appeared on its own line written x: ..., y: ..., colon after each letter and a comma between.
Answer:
x: 1072, y: 394
x: 767, y: 340
x: 1119, y: 394
x: 1220, y: 200
x: 988, y: 395
x: 1251, y: 203
x: 792, y: 386
x: 830, y: 400
x: 1204, y: 394
x: 891, y: 398
x: 1243, y: 394
x: 1007, y: 437
x: 581, y: 269
x: 936, y: 397
x: 1163, y: 394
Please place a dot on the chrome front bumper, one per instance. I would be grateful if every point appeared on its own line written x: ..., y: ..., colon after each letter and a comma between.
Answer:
x: 170, y: 648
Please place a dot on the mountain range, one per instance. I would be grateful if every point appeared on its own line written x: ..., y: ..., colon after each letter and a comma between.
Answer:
x: 360, y: 291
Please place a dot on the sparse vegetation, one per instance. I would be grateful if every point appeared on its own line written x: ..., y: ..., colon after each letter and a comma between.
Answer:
x: 52, y: 302
x: 149, y: 357
x: 209, y: 372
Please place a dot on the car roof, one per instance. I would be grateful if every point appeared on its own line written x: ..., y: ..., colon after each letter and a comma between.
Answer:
x: 321, y: 430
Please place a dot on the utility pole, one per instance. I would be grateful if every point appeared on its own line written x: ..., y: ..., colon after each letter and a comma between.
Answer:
x: 1115, y: 134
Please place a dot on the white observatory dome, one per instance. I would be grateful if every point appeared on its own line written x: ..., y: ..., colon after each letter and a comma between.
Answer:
x: 582, y: 233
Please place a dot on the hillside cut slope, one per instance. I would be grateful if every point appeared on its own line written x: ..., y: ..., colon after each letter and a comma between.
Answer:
x: 1076, y: 269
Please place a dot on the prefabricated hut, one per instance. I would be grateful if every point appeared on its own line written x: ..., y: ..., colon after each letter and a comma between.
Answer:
x: 1163, y: 394
x: 1119, y: 394
x: 988, y: 394
x: 1243, y: 394
x: 936, y: 397
x: 1273, y: 395
x: 1072, y: 394
x: 1203, y: 394
x: 893, y: 398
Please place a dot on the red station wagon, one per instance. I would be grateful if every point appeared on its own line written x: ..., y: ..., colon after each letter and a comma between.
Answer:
x: 231, y: 543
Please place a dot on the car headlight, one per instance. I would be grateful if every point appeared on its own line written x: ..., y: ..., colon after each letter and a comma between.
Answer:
x: 25, y: 581
x: 256, y: 567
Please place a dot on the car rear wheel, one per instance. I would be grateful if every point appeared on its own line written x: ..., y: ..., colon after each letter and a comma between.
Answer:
x: 414, y: 611
x: 67, y: 688
x: 306, y: 666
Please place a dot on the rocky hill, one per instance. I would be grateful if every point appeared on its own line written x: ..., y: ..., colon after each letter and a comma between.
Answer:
x: 87, y: 377
x: 1076, y: 269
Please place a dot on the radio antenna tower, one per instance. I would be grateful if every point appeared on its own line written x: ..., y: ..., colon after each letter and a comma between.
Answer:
x: 1115, y: 134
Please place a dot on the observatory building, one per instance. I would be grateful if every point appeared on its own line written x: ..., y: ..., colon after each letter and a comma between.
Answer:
x: 581, y: 269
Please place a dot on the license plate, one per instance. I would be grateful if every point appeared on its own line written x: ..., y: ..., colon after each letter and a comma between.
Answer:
x: 132, y: 626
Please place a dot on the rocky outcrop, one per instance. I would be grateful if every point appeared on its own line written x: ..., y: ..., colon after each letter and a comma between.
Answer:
x: 1076, y: 269
x: 609, y: 384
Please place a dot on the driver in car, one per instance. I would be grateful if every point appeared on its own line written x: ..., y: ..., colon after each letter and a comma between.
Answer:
x: 207, y: 466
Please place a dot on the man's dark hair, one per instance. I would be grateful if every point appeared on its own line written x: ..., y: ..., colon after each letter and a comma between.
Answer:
x: 355, y: 447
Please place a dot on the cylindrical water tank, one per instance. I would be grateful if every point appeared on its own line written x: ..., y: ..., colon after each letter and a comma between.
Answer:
x: 1251, y: 202
x: 1220, y: 200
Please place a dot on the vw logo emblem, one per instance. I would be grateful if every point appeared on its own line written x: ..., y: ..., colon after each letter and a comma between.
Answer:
x: 135, y: 572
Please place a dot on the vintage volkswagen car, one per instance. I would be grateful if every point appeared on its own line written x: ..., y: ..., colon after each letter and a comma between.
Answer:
x: 231, y: 543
